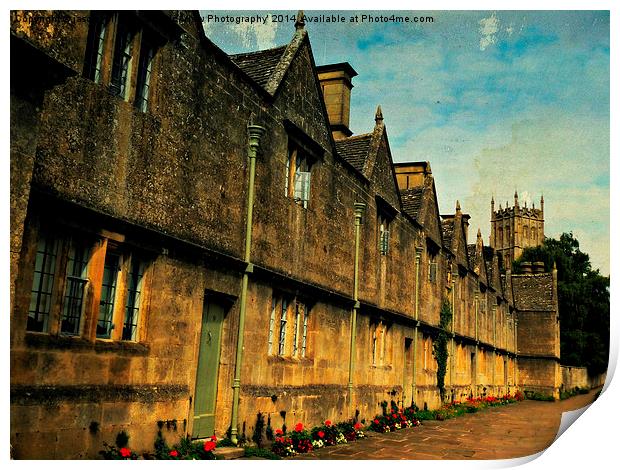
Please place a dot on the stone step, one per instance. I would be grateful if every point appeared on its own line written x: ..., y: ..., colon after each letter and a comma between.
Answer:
x: 228, y: 453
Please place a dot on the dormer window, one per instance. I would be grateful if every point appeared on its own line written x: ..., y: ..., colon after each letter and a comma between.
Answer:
x: 301, y: 162
x: 384, y: 234
x: 298, y: 172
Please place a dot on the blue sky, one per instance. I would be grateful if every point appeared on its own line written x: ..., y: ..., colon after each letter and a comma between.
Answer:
x: 496, y: 101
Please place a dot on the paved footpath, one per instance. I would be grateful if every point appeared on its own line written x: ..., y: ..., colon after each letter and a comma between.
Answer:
x: 502, y: 432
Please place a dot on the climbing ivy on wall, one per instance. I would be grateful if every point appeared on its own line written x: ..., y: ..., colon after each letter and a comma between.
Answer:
x: 440, y: 346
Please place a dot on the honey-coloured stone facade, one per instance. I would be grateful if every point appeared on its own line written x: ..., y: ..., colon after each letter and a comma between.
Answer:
x: 157, y: 198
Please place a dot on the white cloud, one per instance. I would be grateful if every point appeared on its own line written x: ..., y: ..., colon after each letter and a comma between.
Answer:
x: 488, y: 28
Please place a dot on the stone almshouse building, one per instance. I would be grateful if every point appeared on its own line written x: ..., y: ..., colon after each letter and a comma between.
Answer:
x: 166, y: 196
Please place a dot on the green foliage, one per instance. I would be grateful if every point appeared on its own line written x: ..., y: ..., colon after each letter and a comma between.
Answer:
x: 261, y: 453
x: 257, y: 436
x: 583, y: 297
x: 424, y: 415
x: 538, y: 396
x: 225, y: 442
x: 440, y: 346
x: 122, y: 439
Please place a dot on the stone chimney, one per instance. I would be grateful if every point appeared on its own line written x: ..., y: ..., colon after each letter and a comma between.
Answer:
x: 336, y: 86
x: 411, y: 174
x: 538, y: 267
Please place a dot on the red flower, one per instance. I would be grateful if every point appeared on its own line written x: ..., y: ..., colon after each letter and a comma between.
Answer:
x: 299, y: 427
x: 209, y: 446
x: 125, y: 452
x: 357, y: 426
x: 393, y: 415
x: 321, y: 434
x: 376, y: 421
x: 279, y: 432
x: 213, y: 438
x: 173, y: 453
x: 328, y: 423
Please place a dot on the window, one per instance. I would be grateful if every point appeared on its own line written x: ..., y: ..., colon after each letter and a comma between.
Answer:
x: 384, y: 234
x: 42, y: 284
x: 298, y: 175
x: 379, y: 331
x: 75, y: 287
x: 64, y: 270
x: 116, y: 44
x: 432, y: 268
x: 288, y: 313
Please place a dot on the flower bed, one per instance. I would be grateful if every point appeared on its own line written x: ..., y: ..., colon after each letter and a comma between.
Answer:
x: 405, y: 418
x: 301, y: 440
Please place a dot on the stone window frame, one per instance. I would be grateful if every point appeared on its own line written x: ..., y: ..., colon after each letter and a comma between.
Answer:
x: 61, y: 292
x: 380, y: 344
x: 129, y: 79
x: 302, y: 159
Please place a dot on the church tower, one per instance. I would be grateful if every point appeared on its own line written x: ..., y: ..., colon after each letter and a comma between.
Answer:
x: 515, y: 228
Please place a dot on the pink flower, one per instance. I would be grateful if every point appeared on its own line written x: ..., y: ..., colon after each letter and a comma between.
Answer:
x: 125, y: 452
x: 376, y: 421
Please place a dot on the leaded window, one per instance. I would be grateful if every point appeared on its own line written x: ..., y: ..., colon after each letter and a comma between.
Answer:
x: 42, y: 284
x: 147, y: 53
x: 283, y: 319
x: 75, y: 286
x: 272, y: 323
x: 121, y: 65
x: 133, y: 299
x: 105, y: 324
x: 304, y: 336
x: 298, y: 176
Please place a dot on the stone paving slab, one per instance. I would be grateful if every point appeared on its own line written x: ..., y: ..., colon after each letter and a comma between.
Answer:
x: 505, y: 432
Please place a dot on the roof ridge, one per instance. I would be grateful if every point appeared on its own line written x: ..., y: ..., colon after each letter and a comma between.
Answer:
x: 353, y: 137
x: 271, y: 49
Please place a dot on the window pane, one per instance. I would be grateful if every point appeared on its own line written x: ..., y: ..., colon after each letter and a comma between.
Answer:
x: 298, y: 307
x: 305, y: 332
x: 272, y: 324
x: 122, y: 60
x: 132, y: 306
x: 108, y: 291
x: 77, y: 265
x: 282, y: 342
x: 42, y: 284
x: 144, y: 75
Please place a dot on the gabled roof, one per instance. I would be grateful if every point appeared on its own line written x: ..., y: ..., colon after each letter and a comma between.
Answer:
x: 471, y: 254
x: 412, y: 201
x: 354, y: 150
x: 259, y: 65
x: 533, y: 291
x: 447, y: 232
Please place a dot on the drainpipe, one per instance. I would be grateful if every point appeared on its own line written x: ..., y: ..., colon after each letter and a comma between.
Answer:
x: 494, y: 345
x: 516, y: 372
x: 452, y: 357
x: 256, y: 132
x: 418, y: 254
x: 359, y: 213
x: 476, y: 303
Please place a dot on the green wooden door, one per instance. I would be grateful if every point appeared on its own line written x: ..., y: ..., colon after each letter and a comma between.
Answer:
x: 206, y: 374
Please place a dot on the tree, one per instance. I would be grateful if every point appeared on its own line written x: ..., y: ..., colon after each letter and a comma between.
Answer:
x: 583, y: 298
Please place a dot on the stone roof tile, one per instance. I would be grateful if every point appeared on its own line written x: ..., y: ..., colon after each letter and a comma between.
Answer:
x: 354, y: 150
x: 412, y: 200
x: 259, y: 65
